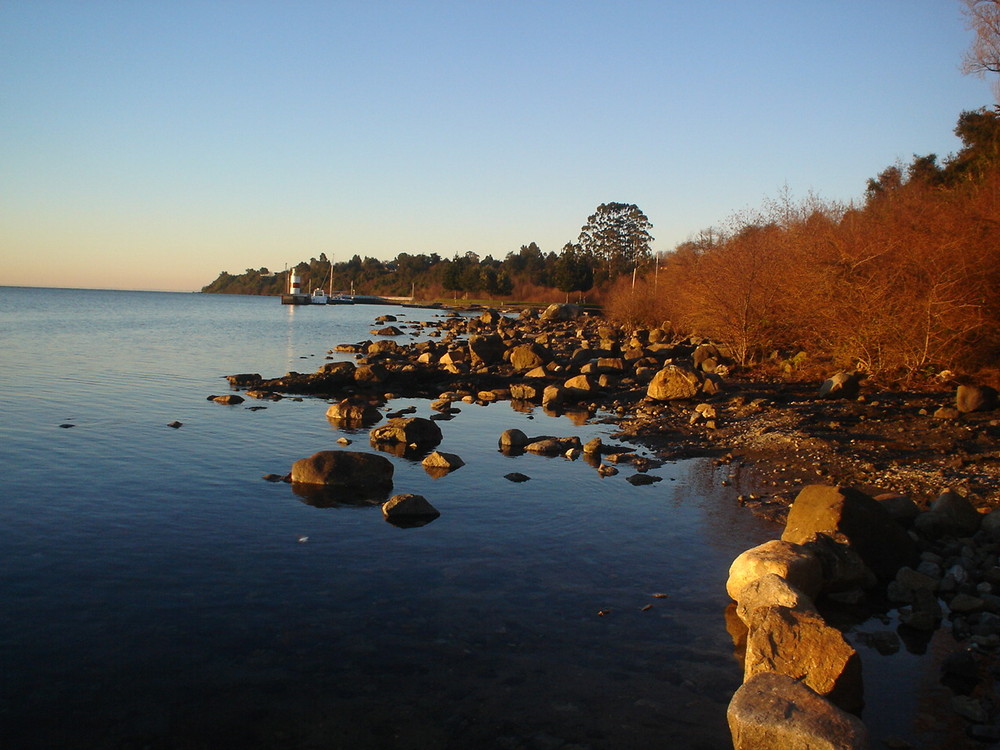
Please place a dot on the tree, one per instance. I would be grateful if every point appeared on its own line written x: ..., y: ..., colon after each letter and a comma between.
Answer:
x: 984, y: 55
x: 617, y: 236
x: 573, y: 271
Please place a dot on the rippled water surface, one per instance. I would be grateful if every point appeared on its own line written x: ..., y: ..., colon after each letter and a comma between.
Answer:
x: 156, y: 592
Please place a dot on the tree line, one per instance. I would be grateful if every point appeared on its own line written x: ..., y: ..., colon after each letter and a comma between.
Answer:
x: 614, y: 241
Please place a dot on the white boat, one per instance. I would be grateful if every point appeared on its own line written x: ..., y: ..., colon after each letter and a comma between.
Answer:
x: 319, y: 297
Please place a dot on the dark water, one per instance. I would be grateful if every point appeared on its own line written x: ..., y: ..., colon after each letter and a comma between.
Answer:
x: 155, y: 591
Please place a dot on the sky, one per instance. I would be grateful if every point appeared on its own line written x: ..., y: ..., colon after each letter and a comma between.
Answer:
x: 151, y: 144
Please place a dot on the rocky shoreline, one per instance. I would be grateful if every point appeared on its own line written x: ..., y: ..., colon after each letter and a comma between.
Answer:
x: 779, y: 433
x: 924, y: 464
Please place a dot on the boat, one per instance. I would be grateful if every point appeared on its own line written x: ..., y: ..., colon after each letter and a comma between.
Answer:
x: 319, y: 297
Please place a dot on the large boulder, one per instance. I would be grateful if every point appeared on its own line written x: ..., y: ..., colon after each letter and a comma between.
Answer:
x: 486, y: 350
x: 796, y: 564
x: 975, y: 398
x: 674, y: 383
x: 524, y: 357
x: 849, y: 515
x: 801, y: 645
x: 562, y: 312
x: 770, y: 590
x: 776, y: 712
x: 409, y: 431
x: 513, y: 440
x: 344, y: 469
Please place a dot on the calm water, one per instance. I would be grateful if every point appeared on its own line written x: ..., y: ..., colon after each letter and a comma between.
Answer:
x: 156, y: 593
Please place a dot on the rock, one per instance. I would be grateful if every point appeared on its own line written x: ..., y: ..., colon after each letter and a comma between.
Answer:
x: 802, y: 646
x: 175, y: 424
x: 849, y: 515
x: 902, y: 509
x: 674, y: 383
x: 411, y: 431
x: 245, y: 379
x: 947, y: 412
x: 524, y: 392
x: 990, y: 523
x: 230, y: 399
x: 970, y: 398
x: 639, y: 480
x: 959, y: 515
x: 562, y: 312
x: 370, y: 374
x: 343, y: 370
x: 524, y: 357
x: 593, y: 447
x: 387, y: 331
x: 486, y: 350
x: 354, y: 411
x: 796, y: 564
x: 446, y: 461
x: 554, y: 395
x: 516, y: 476
x: 513, y: 440
x: 705, y: 352
x: 770, y: 590
x: 346, y: 469
x: 907, y: 582
x: 843, y: 568
x: 775, y: 712
x: 841, y: 385
x: 409, y: 510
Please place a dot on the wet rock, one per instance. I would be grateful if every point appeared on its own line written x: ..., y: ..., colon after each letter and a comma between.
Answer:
x: 353, y: 411
x: 409, y: 431
x: 244, y: 380
x: 230, y: 399
x: 513, y: 440
x: 516, y: 476
x: 802, y: 646
x: 594, y: 447
x: 776, y: 712
x: 796, y: 564
x: 347, y: 469
x: 525, y: 392
x: 409, y: 510
x: 175, y: 424
x: 446, y: 461
x: 343, y: 370
x: 849, y: 515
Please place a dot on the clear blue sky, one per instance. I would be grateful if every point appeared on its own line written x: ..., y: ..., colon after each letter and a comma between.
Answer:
x: 151, y: 145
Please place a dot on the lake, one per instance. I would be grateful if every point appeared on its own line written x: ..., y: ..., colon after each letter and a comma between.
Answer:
x: 157, y: 592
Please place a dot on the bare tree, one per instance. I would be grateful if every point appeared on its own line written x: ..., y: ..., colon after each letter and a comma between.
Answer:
x: 984, y: 55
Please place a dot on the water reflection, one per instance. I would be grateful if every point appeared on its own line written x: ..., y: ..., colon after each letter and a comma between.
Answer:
x: 326, y: 496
